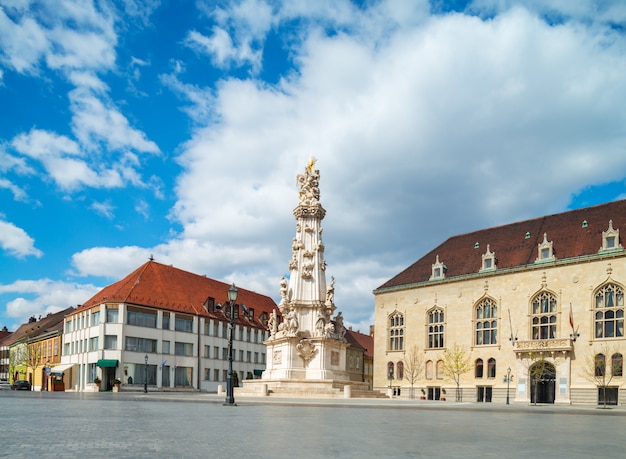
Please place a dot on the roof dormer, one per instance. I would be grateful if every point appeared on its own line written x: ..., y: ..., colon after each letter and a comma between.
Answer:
x: 545, y: 251
x: 439, y: 270
x: 489, y: 261
x: 610, y: 239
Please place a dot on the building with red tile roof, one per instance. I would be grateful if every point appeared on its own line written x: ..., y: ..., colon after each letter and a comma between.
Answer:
x: 543, y: 297
x: 360, y: 356
x: 168, y: 327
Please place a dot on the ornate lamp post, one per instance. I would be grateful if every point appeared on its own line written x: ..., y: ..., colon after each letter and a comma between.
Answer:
x: 145, y: 375
x: 507, y: 379
x: 230, y: 391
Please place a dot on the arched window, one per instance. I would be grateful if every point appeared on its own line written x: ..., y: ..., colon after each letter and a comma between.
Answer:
x: 600, y: 365
x: 390, y: 370
x: 396, y: 332
x: 400, y: 371
x: 486, y: 323
x: 439, y: 369
x: 544, y: 316
x: 429, y: 369
x: 491, y: 368
x: 617, y: 364
x: 435, y: 328
x: 478, y: 368
x: 609, y: 317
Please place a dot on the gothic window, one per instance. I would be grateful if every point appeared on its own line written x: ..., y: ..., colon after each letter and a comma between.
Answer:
x: 440, y: 369
x: 609, y: 317
x: 491, y: 368
x: 478, y: 368
x: 600, y: 365
x: 544, y: 308
x: 396, y: 332
x: 486, y: 323
x: 429, y: 369
x: 617, y: 364
x: 435, y: 328
x: 400, y: 371
x: 390, y: 367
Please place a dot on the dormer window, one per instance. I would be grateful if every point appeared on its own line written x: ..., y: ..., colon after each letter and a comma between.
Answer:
x: 546, y: 251
x: 489, y: 260
x: 439, y: 270
x: 610, y: 239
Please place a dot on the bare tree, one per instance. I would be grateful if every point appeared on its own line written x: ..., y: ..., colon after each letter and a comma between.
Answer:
x: 538, y: 369
x: 598, y: 372
x: 413, y: 367
x: 456, y: 362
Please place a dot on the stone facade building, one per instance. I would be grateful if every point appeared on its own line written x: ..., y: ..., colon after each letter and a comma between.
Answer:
x: 536, y: 308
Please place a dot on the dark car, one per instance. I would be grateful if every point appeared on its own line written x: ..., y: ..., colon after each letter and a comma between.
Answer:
x: 21, y: 384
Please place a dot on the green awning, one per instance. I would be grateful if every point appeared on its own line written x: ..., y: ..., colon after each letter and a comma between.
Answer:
x: 104, y: 363
x: 258, y: 372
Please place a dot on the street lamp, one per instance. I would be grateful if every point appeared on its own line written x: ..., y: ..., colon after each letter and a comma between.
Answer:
x: 507, y: 379
x: 145, y: 375
x: 230, y: 391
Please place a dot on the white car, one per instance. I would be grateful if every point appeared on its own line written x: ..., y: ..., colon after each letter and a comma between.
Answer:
x: 4, y: 385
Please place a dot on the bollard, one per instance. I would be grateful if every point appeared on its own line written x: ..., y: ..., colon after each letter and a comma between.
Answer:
x: 347, y: 391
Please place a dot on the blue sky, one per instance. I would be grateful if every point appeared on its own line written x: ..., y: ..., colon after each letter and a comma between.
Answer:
x: 176, y: 129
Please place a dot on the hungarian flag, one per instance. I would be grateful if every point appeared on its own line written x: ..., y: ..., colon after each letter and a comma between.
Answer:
x: 571, y: 317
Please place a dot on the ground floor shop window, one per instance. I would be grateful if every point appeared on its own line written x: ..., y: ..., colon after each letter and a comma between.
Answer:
x: 434, y: 393
x: 184, y: 376
x: 607, y: 395
x: 483, y: 394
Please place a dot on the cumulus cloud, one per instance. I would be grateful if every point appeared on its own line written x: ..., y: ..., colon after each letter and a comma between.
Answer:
x: 16, y: 241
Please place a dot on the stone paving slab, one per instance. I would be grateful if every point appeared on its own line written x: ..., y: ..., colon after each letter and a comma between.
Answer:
x: 158, y: 425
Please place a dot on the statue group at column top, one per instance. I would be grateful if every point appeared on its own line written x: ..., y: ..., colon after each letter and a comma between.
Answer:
x: 308, y: 185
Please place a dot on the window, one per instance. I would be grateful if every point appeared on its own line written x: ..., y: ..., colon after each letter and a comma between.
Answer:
x: 216, y: 375
x: 183, y: 348
x: 544, y: 308
x: 491, y: 368
x: 478, y: 368
x: 183, y: 376
x: 435, y: 328
x: 207, y: 327
x: 438, y: 270
x: 184, y: 324
x: 95, y: 318
x: 396, y: 331
x: 483, y: 394
x: 256, y: 357
x: 248, y: 335
x: 609, y: 394
x: 440, y: 369
x: 207, y: 352
x: 609, y: 316
x: 249, y: 356
x: 600, y: 365
x: 241, y: 356
x: 165, y: 321
x: 486, y: 323
x: 141, y: 318
x: 400, y: 371
x: 429, y: 369
x: 489, y: 260
x: 112, y: 315
x: 264, y: 317
x: 216, y: 328
x: 141, y: 344
x: 610, y: 239
x: 390, y: 370
x: 617, y: 364
x: 91, y: 372
x: 165, y: 345
x: 224, y: 353
x: 207, y: 374
x: 56, y: 348
x: 546, y: 251
x: 256, y: 336
x: 110, y: 341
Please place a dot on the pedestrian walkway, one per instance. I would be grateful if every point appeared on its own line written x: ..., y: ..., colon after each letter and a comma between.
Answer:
x: 168, y: 425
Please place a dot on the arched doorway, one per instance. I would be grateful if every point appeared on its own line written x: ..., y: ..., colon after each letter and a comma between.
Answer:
x: 543, y: 382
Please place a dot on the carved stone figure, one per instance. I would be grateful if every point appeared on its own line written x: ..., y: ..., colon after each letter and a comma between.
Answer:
x: 272, y: 323
x: 308, y: 184
x: 340, y: 330
x: 291, y: 323
x: 283, y: 290
x: 320, y: 324
x: 330, y: 291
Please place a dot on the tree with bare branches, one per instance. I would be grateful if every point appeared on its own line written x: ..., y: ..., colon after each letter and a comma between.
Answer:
x: 600, y: 372
x: 413, y: 367
x: 456, y: 362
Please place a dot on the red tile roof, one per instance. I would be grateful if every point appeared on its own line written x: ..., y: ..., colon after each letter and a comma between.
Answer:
x: 165, y: 287
x: 360, y: 340
x: 50, y: 323
x: 512, y: 249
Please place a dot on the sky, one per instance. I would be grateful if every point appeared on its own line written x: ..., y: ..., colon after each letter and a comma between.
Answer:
x: 176, y: 129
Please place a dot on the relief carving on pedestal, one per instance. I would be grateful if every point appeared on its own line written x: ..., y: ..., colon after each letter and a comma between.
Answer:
x: 306, y: 350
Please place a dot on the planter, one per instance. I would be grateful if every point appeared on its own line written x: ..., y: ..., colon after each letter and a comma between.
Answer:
x: 116, y: 388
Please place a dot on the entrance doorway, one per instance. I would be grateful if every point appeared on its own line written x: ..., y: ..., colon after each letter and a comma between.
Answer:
x: 542, y: 382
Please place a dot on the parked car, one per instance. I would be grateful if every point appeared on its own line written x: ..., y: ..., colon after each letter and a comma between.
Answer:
x: 5, y: 385
x: 21, y: 384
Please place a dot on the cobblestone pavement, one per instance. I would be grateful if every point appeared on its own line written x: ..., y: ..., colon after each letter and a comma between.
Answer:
x: 162, y: 425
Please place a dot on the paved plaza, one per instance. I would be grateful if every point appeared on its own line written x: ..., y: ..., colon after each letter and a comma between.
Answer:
x: 161, y: 425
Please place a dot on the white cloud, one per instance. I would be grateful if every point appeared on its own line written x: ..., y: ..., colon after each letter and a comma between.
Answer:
x: 16, y: 241
x: 104, y: 208
x: 43, y: 296
x: 18, y: 193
